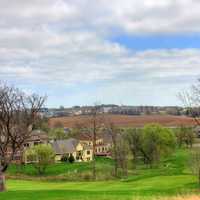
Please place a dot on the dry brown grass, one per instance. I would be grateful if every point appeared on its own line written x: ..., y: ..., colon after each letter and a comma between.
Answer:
x: 190, y: 197
x: 127, y: 120
x: 186, y: 197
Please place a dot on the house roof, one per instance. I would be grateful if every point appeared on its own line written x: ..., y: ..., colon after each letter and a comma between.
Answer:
x: 88, y: 137
x: 65, y: 146
x: 38, y: 135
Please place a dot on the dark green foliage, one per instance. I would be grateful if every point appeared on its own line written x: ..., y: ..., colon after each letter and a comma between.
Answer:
x: 64, y: 158
x: 134, y: 139
x: 150, y: 143
x: 71, y: 158
x: 157, y: 141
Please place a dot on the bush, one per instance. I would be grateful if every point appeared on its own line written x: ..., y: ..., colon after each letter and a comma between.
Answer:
x: 64, y: 158
x: 41, y: 156
x: 71, y: 158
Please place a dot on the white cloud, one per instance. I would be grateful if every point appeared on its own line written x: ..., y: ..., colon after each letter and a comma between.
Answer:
x: 65, y: 41
x: 133, y: 16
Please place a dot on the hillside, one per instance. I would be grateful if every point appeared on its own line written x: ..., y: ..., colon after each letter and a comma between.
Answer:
x: 171, y: 177
x: 126, y: 120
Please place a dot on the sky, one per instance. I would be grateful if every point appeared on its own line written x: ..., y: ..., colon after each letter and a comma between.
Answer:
x: 79, y: 52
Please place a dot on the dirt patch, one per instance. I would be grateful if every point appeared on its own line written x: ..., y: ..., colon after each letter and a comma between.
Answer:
x: 126, y: 120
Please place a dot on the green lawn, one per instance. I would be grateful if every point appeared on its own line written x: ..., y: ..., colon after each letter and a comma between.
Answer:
x: 66, y: 171
x: 146, y: 187
x: 171, y: 177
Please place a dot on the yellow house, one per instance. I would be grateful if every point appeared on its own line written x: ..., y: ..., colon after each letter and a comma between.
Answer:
x: 80, y: 151
x: 103, y: 144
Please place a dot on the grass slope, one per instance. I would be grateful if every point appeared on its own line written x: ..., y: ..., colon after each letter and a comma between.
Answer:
x: 147, y: 187
x: 170, y: 178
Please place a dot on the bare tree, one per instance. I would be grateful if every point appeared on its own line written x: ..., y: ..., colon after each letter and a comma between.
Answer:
x: 120, y: 148
x: 18, y: 112
x: 91, y: 128
x: 191, y: 100
x: 96, y: 124
x: 112, y: 131
x: 134, y: 139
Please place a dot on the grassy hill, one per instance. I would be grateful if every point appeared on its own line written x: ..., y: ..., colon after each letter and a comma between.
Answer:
x: 145, y: 188
x: 172, y: 177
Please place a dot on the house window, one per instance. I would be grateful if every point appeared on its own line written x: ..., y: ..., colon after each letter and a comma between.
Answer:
x: 26, y: 145
x: 88, y: 152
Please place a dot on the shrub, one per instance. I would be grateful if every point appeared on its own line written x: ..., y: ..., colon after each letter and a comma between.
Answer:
x: 71, y: 158
x: 64, y: 158
x: 41, y: 156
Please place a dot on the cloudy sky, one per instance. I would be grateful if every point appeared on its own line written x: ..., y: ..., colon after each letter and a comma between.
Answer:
x: 78, y: 52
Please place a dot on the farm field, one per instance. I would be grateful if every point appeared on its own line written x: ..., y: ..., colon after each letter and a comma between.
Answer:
x: 127, y: 120
x: 171, y: 178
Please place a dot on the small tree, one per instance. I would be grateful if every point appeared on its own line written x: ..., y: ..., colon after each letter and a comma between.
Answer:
x: 156, y: 141
x: 185, y: 135
x: 191, y: 100
x: 57, y: 134
x: 41, y: 156
x: 122, y: 151
x: 134, y: 139
x: 113, y: 132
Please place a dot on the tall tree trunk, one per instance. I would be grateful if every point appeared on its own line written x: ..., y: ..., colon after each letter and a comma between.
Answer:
x: 94, y: 152
x: 115, y: 161
x: 2, y: 182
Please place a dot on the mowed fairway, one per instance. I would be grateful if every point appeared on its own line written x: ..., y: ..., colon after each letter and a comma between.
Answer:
x: 143, y: 188
x: 171, y: 177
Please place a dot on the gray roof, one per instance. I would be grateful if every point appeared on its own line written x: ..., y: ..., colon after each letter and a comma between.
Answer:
x: 38, y: 135
x: 65, y: 146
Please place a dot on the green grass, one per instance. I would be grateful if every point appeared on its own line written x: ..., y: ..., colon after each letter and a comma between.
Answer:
x: 65, y: 171
x: 171, y: 177
x: 146, y: 187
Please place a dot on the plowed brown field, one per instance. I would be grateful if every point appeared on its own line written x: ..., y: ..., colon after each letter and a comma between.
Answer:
x: 126, y: 120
